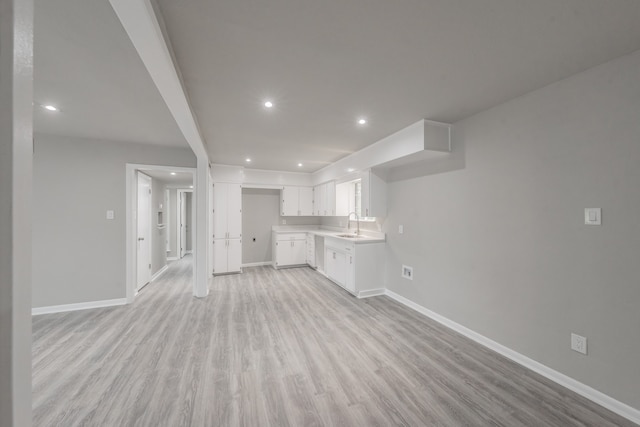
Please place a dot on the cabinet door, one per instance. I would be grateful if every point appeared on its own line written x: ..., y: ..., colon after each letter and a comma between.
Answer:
x: 219, y: 256
x: 350, y: 274
x: 320, y: 198
x: 374, y: 195
x: 283, y: 253
x: 305, y: 201
x: 289, y: 205
x: 234, y: 211
x: 220, y: 210
x: 298, y: 252
x: 330, y: 196
x: 335, y: 264
x: 234, y: 255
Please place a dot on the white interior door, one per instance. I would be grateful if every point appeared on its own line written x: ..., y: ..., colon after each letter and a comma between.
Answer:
x: 144, y: 230
x: 183, y: 223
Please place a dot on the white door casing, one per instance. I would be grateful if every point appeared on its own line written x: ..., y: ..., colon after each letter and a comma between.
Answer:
x: 143, y: 221
x: 182, y: 218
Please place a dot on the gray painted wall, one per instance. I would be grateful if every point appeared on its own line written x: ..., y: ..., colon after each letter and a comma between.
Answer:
x: 158, y: 235
x: 496, y: 232
x: 78, y: 255
x: 260, y: 211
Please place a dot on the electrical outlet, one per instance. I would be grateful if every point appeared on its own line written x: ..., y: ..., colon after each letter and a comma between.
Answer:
x: 407, y: 272
x: 284, y: 222
x: 578, y: 343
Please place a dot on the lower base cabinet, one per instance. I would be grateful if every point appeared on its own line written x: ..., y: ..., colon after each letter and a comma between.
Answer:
x: 289, y: 249
x: 358, y: 268
x: 227, y: 256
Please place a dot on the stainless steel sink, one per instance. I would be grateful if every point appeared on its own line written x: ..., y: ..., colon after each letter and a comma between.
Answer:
x: 349, y: 236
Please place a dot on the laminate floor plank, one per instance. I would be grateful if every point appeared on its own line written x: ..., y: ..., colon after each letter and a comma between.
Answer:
x: 280, y: 348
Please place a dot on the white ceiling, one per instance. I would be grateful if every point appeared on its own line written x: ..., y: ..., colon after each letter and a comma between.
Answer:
x: 326, y: 63
x: 323, y: 63
x: 184, y: 179
x: 85, y: 63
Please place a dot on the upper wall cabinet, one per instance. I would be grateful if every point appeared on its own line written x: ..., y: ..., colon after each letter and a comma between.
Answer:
x: 227, y: 211
x: 296, y: 201
x: 374, y: 195
x: 365, y: 195
x: 324, y: 199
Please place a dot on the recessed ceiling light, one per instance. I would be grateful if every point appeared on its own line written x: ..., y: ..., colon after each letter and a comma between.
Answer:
x: 173, y: 173
x: 268, y: 104
x: 191, y: 186
x: 350, y: 170
x: 362, y: 121
x: 248, y: 160
x: 50, y: 107
x: 299, y: 165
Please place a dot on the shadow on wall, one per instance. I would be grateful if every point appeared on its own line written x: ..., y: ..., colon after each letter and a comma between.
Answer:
x: 455, y: 160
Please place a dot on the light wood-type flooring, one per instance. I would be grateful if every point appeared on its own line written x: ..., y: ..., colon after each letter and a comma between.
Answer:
x: 279, y: 348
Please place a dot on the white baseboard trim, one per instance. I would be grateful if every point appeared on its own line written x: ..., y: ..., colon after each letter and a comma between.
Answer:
x: 371, y: 293
x: 188, y: 252
x: 172, y: 258
x: 77, y: 306
x: 159, y: 273
x: 257, y: 264
x: 584, y: 390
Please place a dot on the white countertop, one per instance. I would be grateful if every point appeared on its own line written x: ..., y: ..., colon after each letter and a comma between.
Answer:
x: 367, y: 236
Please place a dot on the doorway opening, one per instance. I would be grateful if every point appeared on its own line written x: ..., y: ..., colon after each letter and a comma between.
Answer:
x: 160, y: 221
x: 184, y: 223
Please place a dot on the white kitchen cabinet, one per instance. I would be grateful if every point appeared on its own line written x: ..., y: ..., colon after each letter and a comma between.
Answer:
x: 359, y: 268
x: 289, y: 249
x: 373, y: 195
x: 296, y: 201
x: 227, y: 228
x: 227, y: 211
x: 227, y: 256
x: 324, y: 199
x: 335, y: 266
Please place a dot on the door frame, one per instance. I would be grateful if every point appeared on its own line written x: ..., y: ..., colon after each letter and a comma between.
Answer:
x: 179, y: 193
x: 131, y: 224
x: 149, y: 243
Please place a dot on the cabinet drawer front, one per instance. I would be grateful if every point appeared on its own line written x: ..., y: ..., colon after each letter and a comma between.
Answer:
x: 291, y: 236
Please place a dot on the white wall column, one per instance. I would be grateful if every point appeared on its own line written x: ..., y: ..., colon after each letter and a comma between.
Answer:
x: 203, y: 233
x: 16, y: 156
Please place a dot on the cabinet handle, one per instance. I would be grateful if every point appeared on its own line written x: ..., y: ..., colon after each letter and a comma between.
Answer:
x: 350, y: 260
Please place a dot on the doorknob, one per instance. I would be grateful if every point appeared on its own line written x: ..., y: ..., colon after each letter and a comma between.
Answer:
x: 140, y: 238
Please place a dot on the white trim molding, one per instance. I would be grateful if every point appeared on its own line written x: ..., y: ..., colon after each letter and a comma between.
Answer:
x: 78, y: 306
x: 371, y: 293
x: 172, y: 258
x: 256, y: 264
x: 159, y: 272
x: 584, y: 390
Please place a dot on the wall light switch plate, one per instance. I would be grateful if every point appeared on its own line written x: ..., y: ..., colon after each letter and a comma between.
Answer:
x: 407, y: 272
x: 578, y: 343
x: 593, y: 216
x: 110, y: 215
x: 401, y: 229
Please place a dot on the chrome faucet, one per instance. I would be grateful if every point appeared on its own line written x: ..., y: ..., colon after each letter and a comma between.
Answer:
x: 349, y: 222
